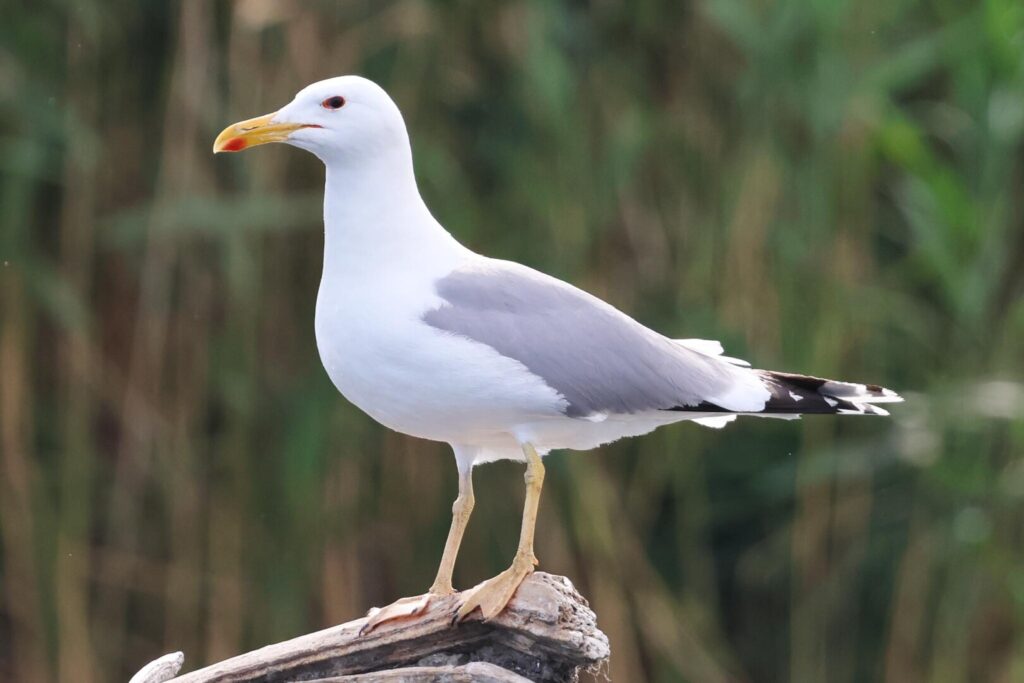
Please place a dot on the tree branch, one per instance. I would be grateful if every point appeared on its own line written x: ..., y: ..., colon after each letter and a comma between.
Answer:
x: 547, y: 633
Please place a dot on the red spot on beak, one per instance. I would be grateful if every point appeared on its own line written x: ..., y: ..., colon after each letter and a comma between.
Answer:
x: 235, y: 145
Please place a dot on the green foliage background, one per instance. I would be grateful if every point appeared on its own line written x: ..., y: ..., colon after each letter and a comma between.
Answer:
x: 828, y: 186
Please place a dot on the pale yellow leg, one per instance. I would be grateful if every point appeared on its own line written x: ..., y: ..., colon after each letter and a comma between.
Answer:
x: 461, y: 510
x: 492, y: 595
x: 409, y: 607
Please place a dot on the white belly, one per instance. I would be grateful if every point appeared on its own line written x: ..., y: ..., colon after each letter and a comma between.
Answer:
x: 418, y: 380
x: 421, y: 381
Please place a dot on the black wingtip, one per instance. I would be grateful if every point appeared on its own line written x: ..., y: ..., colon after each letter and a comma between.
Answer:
x: 805, y: 394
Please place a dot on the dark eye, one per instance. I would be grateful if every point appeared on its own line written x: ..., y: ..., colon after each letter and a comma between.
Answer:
x: 336, y: 102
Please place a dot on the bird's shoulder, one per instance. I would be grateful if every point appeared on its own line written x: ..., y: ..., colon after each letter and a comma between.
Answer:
x: 490, y: 284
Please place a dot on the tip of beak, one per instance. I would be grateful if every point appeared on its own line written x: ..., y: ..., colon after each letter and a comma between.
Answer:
x: 235, y: 144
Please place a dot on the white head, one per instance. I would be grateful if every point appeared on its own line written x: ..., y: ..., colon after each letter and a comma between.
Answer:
x: 340, y: 120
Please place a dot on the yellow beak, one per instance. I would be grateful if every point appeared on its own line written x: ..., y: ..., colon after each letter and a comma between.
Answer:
x: 252, y: 132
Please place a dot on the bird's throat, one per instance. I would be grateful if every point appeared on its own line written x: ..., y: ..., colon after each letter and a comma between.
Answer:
x: 376, y: 223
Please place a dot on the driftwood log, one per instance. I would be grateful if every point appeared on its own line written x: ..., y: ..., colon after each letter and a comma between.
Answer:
x: 548, y: 633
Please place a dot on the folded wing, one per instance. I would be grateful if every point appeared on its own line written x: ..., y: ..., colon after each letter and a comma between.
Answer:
x: 605, y: 363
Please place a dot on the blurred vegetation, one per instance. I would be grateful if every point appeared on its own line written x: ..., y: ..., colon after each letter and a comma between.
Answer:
x: 829, y: 186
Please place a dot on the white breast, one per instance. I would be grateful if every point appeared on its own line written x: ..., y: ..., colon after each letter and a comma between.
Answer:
x: 414, y: 378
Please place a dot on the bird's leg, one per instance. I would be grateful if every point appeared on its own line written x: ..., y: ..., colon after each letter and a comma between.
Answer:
x: 410, y: 607
x: 492, y: 595
x: 461, y: 510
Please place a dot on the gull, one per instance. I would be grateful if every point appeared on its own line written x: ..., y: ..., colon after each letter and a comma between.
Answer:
x: 494, y: 358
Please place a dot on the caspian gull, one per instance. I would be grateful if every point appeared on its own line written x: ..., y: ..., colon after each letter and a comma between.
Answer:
x: 492, y: 357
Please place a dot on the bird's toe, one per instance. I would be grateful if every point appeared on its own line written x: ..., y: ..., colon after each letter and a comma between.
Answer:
x: 491, y: 596
x: 400, y: 609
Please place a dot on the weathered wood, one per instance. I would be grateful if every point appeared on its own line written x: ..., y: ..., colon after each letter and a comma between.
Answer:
x: 474, y: 672
x: 547, y: 633
x: 160, y: 670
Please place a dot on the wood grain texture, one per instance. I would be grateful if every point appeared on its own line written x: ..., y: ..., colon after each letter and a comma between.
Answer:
x: 474, y: 672
x: 547, y: 633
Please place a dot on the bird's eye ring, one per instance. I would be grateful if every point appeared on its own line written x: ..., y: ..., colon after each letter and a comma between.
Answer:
x: 336, y: 102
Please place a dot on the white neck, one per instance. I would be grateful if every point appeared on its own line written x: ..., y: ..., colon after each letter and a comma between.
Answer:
x: 375, y: 220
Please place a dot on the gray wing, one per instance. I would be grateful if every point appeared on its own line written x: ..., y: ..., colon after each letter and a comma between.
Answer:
x: 599, y: 359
